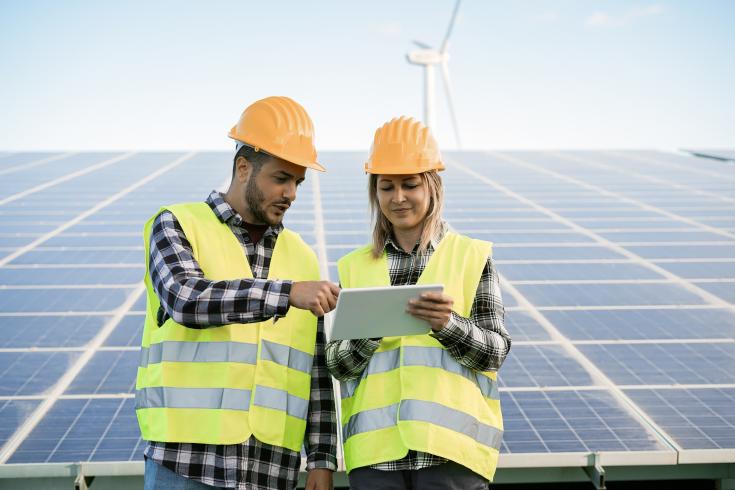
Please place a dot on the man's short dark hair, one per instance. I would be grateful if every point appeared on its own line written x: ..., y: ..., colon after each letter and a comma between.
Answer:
x: 256, y: 158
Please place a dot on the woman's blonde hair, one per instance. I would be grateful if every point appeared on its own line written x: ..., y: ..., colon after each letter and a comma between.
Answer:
x: 382, y: 228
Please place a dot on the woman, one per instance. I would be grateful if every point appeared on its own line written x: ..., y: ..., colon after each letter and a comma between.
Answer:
x: 421, y: 411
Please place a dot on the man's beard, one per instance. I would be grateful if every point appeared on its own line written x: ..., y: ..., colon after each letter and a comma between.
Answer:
x: 255, y: 200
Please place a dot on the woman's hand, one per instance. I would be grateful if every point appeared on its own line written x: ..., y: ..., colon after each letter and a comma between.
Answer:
x: 435, y: 308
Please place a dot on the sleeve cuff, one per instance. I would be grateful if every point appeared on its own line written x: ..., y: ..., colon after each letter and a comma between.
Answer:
x: 366, y: 347
x: 280, y: 307
x: 321, y: 460
x: 453, y: 332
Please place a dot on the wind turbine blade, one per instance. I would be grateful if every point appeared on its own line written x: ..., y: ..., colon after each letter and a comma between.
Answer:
x: 451, y: 26
x: 450, y: 103
x: 421, y: 44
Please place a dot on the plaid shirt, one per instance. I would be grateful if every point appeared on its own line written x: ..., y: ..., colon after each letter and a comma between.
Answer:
x: 479, y: 342
x: 191, y: 299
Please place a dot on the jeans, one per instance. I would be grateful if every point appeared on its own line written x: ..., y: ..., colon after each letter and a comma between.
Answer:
x: 159, y: 477
x: 446, y: 476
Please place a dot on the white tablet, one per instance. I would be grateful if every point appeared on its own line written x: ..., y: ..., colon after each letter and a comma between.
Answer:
x: 378, y: 312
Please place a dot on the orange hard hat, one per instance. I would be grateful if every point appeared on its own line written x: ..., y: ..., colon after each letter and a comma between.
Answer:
x: 403, y: 145
x: 281, y: 127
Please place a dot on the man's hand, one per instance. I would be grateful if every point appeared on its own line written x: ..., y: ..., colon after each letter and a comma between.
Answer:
x: 319, y: 297
x: 435, y: 308
x: 319, y: 479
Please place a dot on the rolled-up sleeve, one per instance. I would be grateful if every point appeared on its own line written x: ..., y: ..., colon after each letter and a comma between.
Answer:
x: 481, y: 341
x: 192, y: 300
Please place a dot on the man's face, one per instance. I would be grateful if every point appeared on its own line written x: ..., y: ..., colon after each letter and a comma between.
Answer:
x: 270, y: 191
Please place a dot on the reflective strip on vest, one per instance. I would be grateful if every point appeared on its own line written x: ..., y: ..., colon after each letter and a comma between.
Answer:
x: 423, y: 411
x: 440, y: 358
x: 169, y: 397
x: 421, y: 356
x: 281, y: 400
x: 172, y: 351
x: 369, y: 420
x: 449, y: 418
x: 286, y: 356
x: 381, y: 362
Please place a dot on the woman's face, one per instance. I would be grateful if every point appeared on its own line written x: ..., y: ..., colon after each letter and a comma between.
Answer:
x: 404, y: 200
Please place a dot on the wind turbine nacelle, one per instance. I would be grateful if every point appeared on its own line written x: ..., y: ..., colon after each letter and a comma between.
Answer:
x: 426, y: 57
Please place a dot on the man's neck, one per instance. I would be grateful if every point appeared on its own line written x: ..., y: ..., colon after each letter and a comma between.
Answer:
x: 241, y: 207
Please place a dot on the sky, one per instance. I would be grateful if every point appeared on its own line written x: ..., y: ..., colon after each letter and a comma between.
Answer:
x: 527, y: 74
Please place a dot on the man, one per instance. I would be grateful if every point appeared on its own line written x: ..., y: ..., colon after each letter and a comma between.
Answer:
x: 232, y: 380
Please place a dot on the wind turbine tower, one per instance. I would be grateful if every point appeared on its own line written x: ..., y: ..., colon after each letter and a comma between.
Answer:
x: 428, y: 57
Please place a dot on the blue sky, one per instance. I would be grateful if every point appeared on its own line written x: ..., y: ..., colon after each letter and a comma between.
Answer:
x: 526, y: 74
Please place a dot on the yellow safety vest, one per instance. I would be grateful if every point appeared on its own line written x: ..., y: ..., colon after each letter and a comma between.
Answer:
x: 220, y: 385
x: 413, y: 394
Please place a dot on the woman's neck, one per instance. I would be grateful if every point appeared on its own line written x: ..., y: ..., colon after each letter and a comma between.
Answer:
x: 407, y: 238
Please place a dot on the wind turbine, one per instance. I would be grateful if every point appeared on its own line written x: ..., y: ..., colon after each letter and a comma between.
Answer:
x: 428, y: 57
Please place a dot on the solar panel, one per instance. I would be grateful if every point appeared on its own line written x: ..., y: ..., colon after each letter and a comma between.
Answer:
x: 719, y: 153
x: 618, y: 276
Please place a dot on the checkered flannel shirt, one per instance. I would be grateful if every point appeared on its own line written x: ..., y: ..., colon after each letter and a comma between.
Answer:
x: 479, y: 342
x: 196, y: 302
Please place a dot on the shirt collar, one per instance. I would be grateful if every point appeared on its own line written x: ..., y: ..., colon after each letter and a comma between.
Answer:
x: 433, y: 243
x: 227, y: 214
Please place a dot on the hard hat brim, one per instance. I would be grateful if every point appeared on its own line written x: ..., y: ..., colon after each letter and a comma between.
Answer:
x: 312, y: 165
x: 392, y: 170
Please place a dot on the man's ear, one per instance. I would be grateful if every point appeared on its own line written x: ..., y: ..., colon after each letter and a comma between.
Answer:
x: 242, y: 169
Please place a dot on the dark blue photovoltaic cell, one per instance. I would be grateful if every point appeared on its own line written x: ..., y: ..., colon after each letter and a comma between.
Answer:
x: 82, y: 257
x: 333, y: 273
x: 72, y: 275
x: 694, y: 418
x: 12, y: 414
x: 352, y: 240
x: 110, y: 239
x: 108, y: 226
x: 675, y: 363
x: 508, y: 238
x: 339, y: 225
x: 52, y: 217
x: 127, y: 333
x: 723, y: 290
x: 87, y: 299
x: 335, y: 253
x: 508, y: 299
x: 607, y: 294
x: 551, y: 272
x: 542, y: 366
x: 523, y: 327
x: 84, y: 430
x: 571, y: 421
x: 685, y: 252
x: 555, y: 253
x: 701, y: 270
x: 139, y: 304
x: 649, y: 224
x: 107, y: 372
x: 674, y: 323
x: 542, y: 224
x: 12, y: 241
x: 43, y: 331
x: 662, y: 236
x: 32, y: 373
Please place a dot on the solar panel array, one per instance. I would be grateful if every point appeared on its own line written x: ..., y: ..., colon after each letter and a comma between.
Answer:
x: 618, y: 275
